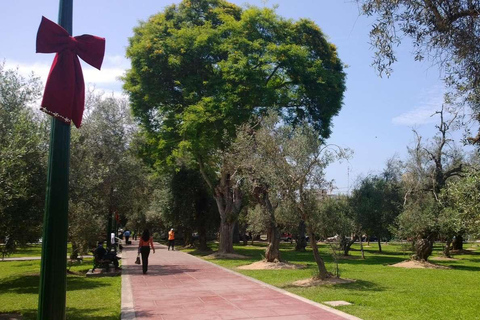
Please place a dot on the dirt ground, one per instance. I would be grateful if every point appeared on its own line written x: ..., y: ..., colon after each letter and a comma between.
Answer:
x: 443, y: 259
x: 264, y: 265
x: 312, y: 282
x: 412, y: 264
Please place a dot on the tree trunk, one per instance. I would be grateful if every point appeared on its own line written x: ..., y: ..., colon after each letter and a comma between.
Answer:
x: 272, y: 253
x: 187, y: 236
x: 228, y: 197
x: 226, y: 237
x: 322, y: 270
x: 458, y: 242
x: 229, y: 201
x: 379, y: 245
x: 202, y: 239
x: 361, y: 247
x: 236, y: 233
x: 244, y: 234
x: 301, y: 241
x: 446, y: 249
x: 423, y: 249
x: 75, y: 250
x: 347, y: 244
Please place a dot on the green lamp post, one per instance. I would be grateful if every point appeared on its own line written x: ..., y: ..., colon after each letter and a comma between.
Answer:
x: 53, y: 274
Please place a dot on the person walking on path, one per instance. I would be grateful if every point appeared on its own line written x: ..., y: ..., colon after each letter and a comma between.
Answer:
x: 171, y: 239
x: 144, y: 247
x: 127, y: 236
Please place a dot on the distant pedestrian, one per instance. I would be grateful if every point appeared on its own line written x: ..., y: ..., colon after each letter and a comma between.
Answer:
x: 144, y: 246
x: 127, y: 236
x: 171, y: 239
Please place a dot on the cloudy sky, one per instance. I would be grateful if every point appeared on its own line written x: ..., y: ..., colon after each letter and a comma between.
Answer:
x: 378, y: 114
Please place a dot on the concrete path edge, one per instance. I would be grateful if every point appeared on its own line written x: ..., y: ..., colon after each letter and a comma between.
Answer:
x: 128, y: 311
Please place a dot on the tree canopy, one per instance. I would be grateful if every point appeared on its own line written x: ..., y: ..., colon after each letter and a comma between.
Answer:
x: 204, y: 66
x: 23, y: 150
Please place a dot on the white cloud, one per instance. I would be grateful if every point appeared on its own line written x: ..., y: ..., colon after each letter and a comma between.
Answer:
x: 113, y: 68
x: 117, y: 60
x: 429, y: 102
x: 105, y: 76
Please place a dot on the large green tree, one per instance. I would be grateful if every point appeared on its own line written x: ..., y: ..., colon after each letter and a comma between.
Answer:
x: 23, y: 149
x: 204, y: 66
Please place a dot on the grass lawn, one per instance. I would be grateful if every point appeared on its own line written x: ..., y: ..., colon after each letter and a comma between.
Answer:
x: 32, y: 250
x: 380, y: 291
x: 87, y: 298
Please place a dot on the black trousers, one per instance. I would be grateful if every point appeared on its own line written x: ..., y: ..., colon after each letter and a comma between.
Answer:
x: 145, y: 252
x: 112, y: 257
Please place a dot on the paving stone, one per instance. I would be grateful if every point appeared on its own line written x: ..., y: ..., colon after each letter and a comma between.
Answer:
x: 179, y: 286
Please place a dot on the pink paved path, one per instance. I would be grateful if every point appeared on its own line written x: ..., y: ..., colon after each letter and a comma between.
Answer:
x: 180, y: 286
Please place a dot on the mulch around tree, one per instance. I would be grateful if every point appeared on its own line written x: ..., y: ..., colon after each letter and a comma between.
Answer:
x: 313, y: 282
x: 279, y: 265
x: 413, y: 264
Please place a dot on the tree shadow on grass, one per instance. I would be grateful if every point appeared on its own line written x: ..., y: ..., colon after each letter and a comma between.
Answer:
x: 29, y: 284
x: 375, y: 260
x: 358, y: 285
x: 74, y: 314
x: 82, y: 314
x: 157, y: 269
x: 361, y: 285
x: 201, y: 253
x: 465, y: 268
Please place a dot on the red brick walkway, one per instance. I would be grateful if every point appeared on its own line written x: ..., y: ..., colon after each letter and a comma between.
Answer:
x: 181, y: 286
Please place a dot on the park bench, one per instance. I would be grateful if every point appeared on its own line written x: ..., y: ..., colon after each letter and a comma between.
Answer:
x: 101, y: 263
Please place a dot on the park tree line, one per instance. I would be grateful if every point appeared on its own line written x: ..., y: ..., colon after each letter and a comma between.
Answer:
x: 225, y: 132
x: 246, y: 98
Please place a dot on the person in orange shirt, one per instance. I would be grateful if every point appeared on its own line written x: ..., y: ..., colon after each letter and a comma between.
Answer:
x: 171, y: 239
x: 144, y: 247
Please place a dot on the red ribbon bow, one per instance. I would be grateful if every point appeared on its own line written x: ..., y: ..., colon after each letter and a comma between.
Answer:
x: 64, y: 96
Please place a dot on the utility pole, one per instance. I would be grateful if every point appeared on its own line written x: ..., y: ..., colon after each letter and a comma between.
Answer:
x: 53, y: 274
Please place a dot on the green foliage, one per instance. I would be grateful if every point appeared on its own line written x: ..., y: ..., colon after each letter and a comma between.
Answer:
x: 187, y: 206
x: 257, y: 220
x: 462, y: 198
x: 105, y: 176
x: 377, y: 201
x: 335, y: 217
x: 205, y: 66
x: 23, y: 150
x: 419, y: 219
